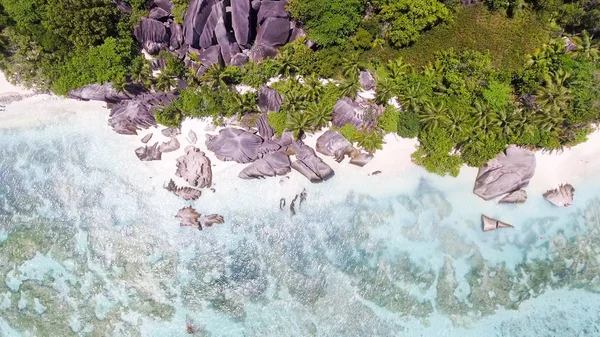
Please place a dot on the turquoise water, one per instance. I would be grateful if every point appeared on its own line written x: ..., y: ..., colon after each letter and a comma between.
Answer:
x: 89, y: 246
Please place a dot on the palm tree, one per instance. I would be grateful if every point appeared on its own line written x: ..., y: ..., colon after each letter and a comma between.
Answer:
x: 548, y: 123
x: 558, y: 77
x: 397, y: 69
x: 350, y: 87
x: 553, y: 98
x: 292, y: 102
x: 215, y: 76
x: 246, y: 103
x: 142, y: 75
x: 586, y: 47
x: 351, y: 66
x: 459, y: 125
x: 165, y: 83
x: 319, y: 115
x: 192, y: 79
x: 432, y: 116
x: 313, y: 89
x: 285, y: 63
x: 120, y: 84
x: 370, y: 141
x: 413, y: 98
x: 386, y: 89
x: 297, y: 123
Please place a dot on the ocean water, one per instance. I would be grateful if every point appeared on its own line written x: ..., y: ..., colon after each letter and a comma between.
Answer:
x: 89, y: 246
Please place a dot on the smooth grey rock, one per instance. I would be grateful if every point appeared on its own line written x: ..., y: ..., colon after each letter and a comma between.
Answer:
x: 271, y: 165
x: 264, y: 129
x: 194, y: 167
x: 123, y: 6
x: 195, y: 20
x: 97, y: 92
x: 192, y: 137
x: 208, y: 58
x: 176, y: 41
x: 152, y: 34
x: 189, y: 217
x: 158, y: 13
x: 170, y: 146
x: 258, y: 53
x: 361, y: 159
x: 239, y: 145
x: 256, y: 5
x: 272, y: 9
x: 229, y: 47
x: 509, y: 171
x: 285, y: 140
x: 274, y: 32
x: 516, y: 197
x: 309, y: 165
x: 361, y: 116
x: 217, y: 13
x: 561, y: 196
x: 187, y: 193
x: 165, y: 5
x: 169, y: 132
x: 269, y: 99
x: 148, y: 153
x: 129, y: 116
x: 490, y: 224
x: 147, y: 138
x: 366, y: 80
x: 333, y: 144
x: 298, y: 32
x: 239, y: 59
x: 240, y: 21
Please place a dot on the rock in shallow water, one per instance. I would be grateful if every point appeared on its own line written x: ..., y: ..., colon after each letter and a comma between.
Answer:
x: 561, y: 196
x: 516, y: 197
x: 187, y: 193
x: 189, y: 217
x: 508, y: 172
x: 269, y: 99
x: 490, y: 224
x: 194, y: 167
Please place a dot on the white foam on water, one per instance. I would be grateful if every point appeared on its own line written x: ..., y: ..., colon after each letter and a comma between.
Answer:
x: 93, y: 246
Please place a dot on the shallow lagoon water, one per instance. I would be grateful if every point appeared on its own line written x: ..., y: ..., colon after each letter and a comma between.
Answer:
x: 89, y: 247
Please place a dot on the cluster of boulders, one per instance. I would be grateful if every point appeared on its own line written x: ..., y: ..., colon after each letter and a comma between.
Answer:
x: 360, y: 113
x: 229, y: 32
x: 506, y: 175
x: 191, y: 218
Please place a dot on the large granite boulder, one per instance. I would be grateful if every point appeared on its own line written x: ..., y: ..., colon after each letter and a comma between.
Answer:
x: 309, y: 165
x: 333, y: 144
x: 176, y: 41
x: 240, y: 21
x: 152, y: 34
x: 239, y: 145
x: 265, y: 130
x: 271, y: 165
x: 269, y: 99
x: 561, y: 196
x: 170, y: 146
x: 158, y: 13
x: 272, y: 9
x: 165, y: 5
x: 490, y: 224
x: 239, y: 59
x: 510, y: 171
x: 209, y: 57
x: 217, y: 13
x: 189, y: 217
x: 516, y: 197
x: 361, y: 115
x: 148, y: 153
x: 99, y: 92
x: 274, y: 32
x: 195, y: 20
x: 129, y: 116
x: 366, y: 80
x: 361, y: 159
x: 258, y: 53
x: 194, y: 167
x: 229, y: 47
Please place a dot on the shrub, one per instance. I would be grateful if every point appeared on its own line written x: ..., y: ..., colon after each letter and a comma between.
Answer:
x: 389, y: 120
x: 408, y: 124
x: 349, y: 132
x: 169, y: 116
x: 278, y: 120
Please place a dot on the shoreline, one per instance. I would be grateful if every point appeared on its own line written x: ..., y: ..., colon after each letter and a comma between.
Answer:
x: 571, y: 165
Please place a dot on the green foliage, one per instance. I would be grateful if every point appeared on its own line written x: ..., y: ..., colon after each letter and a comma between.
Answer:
x: 369, y: 141
x: 278, y: 120
x: 389, y: 120
x: 362, y: 39
x: 169, y: 116
x: 473, y: 28
x: 349, y: 132
x: 407, y: 18
x: 497, y: 95
x: 328, y: 22
x: 96, y: 65
x: 408, y: 124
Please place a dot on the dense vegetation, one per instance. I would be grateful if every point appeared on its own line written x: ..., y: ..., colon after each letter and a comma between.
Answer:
x: 468, y: 80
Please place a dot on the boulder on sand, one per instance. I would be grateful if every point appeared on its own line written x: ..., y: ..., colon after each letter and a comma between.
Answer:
x: 490, y: 224
x: 271, y: 165
x: 269, y: 99
x: 148, y: 153
x: 510, y: 171
x: 309, y: 165
x: 360, y: 114
x: 561, y: 196
x: 361, y: 159
x: 187, y: 193
x: 366, y: 80
x: 99, y: 92
x: 333, y: 144
x: 265, y: 130
x: 170, y: 146
x: 516, y: 197
x: 239, y: 145
x: 129, y: 116
x: 147, y: 138
x: 194, y: 167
